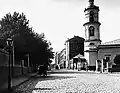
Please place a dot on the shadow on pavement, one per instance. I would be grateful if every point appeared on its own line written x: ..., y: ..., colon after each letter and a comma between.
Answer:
x: 50, y: 77
x: 72, y: 72
x: 4, y: 91
x: 29, y: 86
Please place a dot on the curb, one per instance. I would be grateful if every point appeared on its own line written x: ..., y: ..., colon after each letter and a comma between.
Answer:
x: 22, y: 82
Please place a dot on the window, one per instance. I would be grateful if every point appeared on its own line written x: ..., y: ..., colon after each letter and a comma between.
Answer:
x: 107, y: 57
x: 91, y: 30
x: 91, y: 16
x: 91, y: 43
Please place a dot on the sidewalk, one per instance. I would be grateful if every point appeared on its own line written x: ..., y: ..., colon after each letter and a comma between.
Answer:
x: 16, y: 81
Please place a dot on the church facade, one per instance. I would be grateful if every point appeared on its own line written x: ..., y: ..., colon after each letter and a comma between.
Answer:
x: 98, y: 54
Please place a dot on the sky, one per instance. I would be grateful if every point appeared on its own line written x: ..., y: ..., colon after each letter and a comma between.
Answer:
x: 62, y: 19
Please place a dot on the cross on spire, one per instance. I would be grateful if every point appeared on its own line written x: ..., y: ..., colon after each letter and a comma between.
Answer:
x: 91, y: 2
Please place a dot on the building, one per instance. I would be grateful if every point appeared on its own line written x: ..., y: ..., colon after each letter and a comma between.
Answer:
x: 100, y: 56
x: 62, y: 58
x: 57, y: 61
x: 91, y: 51
x: 74, y: 47
x: 110, y: 51
x: 56, y: 58
x: 92, y: 33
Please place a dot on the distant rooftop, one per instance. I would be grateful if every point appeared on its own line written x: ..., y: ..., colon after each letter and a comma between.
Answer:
x: 114, y: 42
x: 75, y: 37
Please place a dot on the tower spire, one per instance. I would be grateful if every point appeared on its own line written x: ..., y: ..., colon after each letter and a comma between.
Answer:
x: 91, y: 2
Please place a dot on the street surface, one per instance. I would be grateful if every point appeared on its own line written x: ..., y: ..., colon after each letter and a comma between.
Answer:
x: 72, y: 82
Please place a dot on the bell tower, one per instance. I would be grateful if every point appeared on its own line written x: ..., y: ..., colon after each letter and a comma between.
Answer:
x: 92, y: 32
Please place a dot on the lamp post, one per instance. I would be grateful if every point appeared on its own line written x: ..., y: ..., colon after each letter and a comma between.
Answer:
x: 9, y: 44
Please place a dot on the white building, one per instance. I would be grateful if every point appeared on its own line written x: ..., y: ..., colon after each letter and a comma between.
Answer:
x: 94, y: 49
x: 92, y: 33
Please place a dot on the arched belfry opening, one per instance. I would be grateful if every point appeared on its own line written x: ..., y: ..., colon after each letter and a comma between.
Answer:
x: 91, y: 16
x: 91, y: 30
x: 91, y: 2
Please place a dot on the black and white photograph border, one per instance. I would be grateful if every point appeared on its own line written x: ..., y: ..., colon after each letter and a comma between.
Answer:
x: 59, y: 46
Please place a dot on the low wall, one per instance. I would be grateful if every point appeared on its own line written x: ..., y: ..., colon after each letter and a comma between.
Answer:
x: 3, y: 75
x: 115, y: 68
x: 17, y: 71
x: 92, y: 68
x: 25, y: 70
x: 4, y: 69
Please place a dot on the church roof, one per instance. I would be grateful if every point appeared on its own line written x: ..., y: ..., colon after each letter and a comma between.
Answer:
x: 114, y: 42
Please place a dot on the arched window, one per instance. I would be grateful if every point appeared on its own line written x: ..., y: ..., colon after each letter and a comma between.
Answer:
x: 91, y: 16
x: 91, y: 30
x: 91, y: 43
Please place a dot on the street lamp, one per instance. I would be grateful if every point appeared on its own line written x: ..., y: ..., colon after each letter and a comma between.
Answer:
x: 9, y: 44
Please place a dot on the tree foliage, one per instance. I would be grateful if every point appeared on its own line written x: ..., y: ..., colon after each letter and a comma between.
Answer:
x: 26, y: 40
x: 117, y: 59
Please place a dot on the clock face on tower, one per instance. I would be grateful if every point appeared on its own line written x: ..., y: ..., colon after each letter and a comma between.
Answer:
x: 91, y: 30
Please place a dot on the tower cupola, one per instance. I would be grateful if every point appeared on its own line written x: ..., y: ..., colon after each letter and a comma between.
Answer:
x: 91, y: 2
x: 92, y: 25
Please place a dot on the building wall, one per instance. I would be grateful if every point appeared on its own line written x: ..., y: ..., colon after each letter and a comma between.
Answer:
x: 87, y: 17
x: 74, y: 46
x: 56, y: 58
x: 3, y: 59
x: 108, y: 51
x: 67, y: 54
x: 4, y: 71
x: 92, y: 58
x: 62, y: 58
x: 87, y: 57
x: 96, y: 34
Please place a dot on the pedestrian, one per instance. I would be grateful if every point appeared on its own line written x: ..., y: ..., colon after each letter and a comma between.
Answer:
x: 45, y: 70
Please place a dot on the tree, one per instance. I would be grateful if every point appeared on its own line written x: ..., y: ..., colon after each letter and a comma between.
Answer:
x: 26, y: 40
x: 117, y: 59
x: 14, y: 26
x: 44, y: 53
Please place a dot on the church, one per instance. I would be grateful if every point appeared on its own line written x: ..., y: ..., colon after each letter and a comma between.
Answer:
x: 100, y: 56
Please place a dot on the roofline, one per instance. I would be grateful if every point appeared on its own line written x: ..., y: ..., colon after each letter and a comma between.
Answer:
x: 109, y: 46
x: 89, y: 8
x: 74, y: 37
x: 91, y: 23
x: 105, y: 43
x: 93, y: 40
x: 94, y: 50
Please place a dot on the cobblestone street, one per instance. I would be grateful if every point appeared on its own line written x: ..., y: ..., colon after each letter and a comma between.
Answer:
x: 73, y: 82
